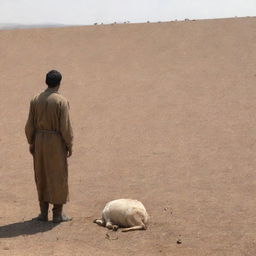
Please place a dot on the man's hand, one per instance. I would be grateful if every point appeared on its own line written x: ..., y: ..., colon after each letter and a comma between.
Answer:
x: 32, y: 149
x: 69, y: 153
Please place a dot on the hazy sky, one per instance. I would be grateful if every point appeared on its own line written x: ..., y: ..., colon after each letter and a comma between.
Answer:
x: 109, y: 11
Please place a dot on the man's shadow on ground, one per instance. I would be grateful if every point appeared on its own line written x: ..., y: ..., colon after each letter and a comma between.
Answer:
x: 29, y: 227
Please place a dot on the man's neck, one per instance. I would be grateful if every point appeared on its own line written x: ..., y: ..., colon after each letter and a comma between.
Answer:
x: 53, y: 89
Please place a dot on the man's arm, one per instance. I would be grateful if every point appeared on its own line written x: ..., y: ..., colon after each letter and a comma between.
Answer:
x: 30, y: 128
x: 65, y: 127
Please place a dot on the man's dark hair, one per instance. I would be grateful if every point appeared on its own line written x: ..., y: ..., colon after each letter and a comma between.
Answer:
x: 53, y: 78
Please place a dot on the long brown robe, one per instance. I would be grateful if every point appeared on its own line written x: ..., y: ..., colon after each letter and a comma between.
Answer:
x: 49, y: 129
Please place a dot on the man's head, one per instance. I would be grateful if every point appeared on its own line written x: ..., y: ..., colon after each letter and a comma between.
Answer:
x: 53, y: 78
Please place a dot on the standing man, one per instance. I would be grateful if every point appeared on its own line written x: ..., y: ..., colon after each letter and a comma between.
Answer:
x: 50, y: 137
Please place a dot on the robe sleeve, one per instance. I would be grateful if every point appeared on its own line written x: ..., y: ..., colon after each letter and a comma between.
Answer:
x: 30, y: 127
x: 65, y: 125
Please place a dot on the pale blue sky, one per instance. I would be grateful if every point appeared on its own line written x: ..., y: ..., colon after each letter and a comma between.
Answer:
x: 108, y: 11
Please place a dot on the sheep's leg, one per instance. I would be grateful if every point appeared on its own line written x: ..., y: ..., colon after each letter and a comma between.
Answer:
x: 100, y: 222
x: 109, y: 225
x: 141, y: 227
x: 135, y: 222
x: 115, y: 227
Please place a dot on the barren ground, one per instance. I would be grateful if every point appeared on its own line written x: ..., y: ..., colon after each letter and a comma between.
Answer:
x: 163, y: 113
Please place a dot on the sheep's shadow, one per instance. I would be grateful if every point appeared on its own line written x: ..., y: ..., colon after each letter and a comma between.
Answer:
x: 29, y: 227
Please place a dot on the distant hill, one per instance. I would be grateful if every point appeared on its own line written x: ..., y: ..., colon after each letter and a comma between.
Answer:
x: 6, y: 26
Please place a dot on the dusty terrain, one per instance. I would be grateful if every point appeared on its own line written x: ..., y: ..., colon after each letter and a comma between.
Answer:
x: 163, y: 113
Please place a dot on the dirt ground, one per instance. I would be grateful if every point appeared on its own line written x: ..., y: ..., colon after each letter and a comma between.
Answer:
x: 163, y: 113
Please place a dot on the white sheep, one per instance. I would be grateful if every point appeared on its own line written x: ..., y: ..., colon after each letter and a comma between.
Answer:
x: 125, y: 213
